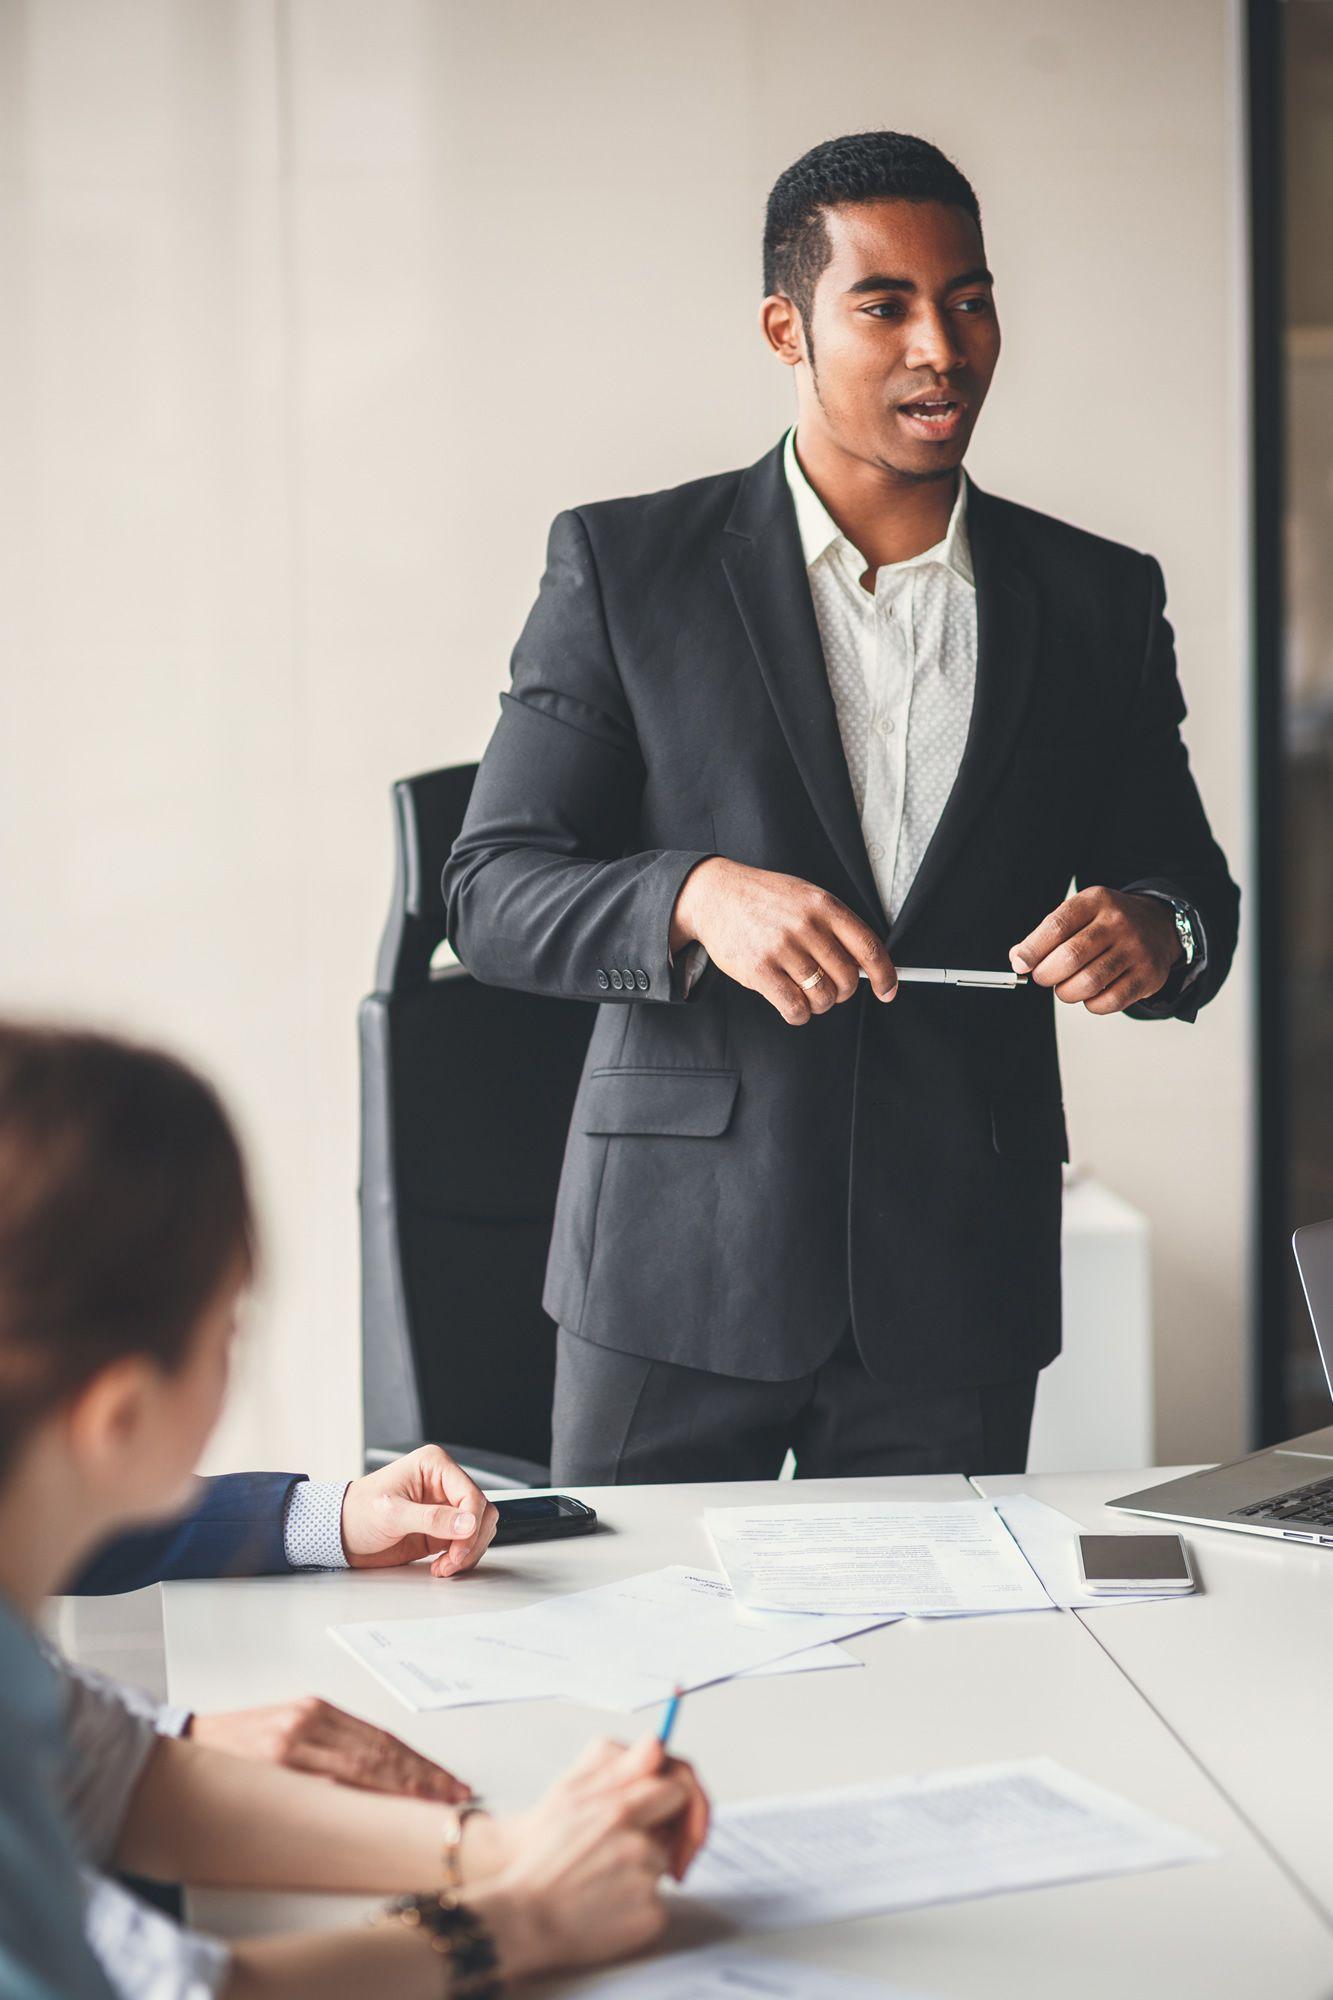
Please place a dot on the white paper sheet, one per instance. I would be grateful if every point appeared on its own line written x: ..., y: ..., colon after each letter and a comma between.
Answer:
x: 732, y: 1972
x: 623, y: 1645
x: 1049, y: 1540
x: 921, y: 1558
x: 831, y: 1855
x: 816, y: 1661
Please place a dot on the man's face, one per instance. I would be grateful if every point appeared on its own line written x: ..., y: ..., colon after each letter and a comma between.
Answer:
x: 903, y: 316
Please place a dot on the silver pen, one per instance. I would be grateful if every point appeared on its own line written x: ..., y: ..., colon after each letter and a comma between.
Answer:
x: 944, y: 975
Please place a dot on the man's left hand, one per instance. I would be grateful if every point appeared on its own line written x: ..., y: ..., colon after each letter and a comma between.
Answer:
x: 1104, y: 947
x: 421, y: 1505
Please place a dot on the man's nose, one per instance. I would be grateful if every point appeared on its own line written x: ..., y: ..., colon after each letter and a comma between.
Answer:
x: 931, y: 344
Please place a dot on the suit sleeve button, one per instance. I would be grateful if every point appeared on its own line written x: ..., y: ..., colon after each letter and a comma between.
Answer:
x: 617, y: 980
x: 641, y: 980
x: 603, y: 978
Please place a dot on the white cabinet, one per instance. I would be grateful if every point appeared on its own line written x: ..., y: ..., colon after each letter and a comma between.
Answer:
x: 1095, y: 1403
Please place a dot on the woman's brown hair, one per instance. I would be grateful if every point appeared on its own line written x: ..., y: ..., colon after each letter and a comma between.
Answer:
x: 123, y: 1209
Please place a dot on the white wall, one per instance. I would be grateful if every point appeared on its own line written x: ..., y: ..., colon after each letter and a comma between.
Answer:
x: 315, y: 313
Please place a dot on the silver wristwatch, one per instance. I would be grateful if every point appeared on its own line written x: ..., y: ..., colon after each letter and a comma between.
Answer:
x: 1185, y: 932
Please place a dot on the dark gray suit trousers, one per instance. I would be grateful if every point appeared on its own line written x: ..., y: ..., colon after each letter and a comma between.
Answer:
x: 621, y: 1420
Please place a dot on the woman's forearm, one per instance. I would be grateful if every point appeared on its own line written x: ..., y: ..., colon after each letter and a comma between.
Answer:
x: 200, y: 1816
x: 389, y: 1959
x: 336, y: 1965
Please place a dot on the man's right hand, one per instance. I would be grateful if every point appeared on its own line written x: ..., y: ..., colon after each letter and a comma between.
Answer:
x: 773, y: 932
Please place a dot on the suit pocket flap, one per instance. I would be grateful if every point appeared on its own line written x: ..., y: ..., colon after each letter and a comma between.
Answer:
x: 682, y: 1103
x: 1027, y: 1127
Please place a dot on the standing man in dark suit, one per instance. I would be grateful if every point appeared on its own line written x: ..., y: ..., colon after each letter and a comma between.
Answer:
x: 771, y: 736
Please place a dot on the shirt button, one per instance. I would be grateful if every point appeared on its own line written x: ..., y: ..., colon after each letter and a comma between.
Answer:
x: 875, y: 851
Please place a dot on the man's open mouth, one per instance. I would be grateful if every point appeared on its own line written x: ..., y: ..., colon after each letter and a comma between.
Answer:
x: 933, y: 417
x: 931, y: 409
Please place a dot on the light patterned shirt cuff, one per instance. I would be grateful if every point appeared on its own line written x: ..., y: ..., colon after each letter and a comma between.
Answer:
x: 312, y: 1535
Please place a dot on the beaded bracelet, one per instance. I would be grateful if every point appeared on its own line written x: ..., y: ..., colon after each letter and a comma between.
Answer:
x: 458, y: 1935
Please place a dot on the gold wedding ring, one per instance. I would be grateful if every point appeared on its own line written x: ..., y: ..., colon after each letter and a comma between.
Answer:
x: 808, y: 985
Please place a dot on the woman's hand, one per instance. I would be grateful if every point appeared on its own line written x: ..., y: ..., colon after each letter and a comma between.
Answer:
x: 583, y: 1879
x: 313, y: 1735
x: 606, y: 1771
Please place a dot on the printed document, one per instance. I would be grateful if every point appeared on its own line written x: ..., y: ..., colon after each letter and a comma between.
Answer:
x: 623, y: 1645
x: 920, y: 1558
x: 873, y: 1848
x: 731, y: 1972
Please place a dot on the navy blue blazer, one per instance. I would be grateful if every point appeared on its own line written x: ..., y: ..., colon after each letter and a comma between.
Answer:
x: 235, y: 1530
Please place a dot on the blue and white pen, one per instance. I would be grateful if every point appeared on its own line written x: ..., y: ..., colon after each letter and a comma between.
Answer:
x: 669, y: 1719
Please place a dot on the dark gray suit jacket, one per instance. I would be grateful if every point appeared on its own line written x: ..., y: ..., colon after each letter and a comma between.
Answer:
x: 732, y: 1186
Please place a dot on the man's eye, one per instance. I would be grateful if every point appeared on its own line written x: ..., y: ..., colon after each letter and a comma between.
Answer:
x: 974, y: 306
x: 883, y: 308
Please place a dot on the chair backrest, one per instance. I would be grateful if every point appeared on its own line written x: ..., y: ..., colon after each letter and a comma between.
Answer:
x: 466, y: 1092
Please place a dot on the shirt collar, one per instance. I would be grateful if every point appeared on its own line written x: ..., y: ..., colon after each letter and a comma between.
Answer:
x: 819, y: 532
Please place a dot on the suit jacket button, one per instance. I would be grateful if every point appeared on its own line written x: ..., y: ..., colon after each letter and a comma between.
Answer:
x: 641, y: 980
x: 603, y: 978
x: 629, y: 978
x: 617, y: 980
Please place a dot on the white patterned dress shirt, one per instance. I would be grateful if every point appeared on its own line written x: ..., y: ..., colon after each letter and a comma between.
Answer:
x: 902, y: 667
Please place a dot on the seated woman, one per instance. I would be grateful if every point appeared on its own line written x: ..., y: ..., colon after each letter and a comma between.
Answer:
x: 125, y: 1239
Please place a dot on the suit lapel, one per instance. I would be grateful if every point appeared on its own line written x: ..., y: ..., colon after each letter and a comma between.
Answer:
x: 1007, y: 626
x: 765, y: 568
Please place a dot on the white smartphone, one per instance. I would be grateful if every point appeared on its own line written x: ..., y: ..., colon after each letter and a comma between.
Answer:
x: 1134, y: 1562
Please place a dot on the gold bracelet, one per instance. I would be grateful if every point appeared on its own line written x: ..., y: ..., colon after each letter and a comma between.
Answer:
x: 451, y: 1856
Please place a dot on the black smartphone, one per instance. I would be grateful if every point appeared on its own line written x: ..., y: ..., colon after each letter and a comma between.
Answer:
x: 541, y: 1516
x: 1134, y: 1562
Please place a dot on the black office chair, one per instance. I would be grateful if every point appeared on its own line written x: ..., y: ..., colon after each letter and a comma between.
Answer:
x: 466, y: 1093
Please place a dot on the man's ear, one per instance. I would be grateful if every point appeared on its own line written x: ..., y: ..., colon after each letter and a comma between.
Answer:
x: 780, y: 324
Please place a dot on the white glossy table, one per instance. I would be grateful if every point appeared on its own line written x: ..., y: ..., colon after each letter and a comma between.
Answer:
x: 1241, y: 1672
x: 929, y: 1695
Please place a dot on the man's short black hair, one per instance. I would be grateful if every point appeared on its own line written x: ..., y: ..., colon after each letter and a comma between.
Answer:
x: 863, y: 166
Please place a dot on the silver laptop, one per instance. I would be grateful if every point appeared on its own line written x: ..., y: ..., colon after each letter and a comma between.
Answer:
x: 1287, y: 1490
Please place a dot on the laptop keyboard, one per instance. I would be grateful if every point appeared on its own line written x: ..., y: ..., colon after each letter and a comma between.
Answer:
x: 1312, y: 1504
